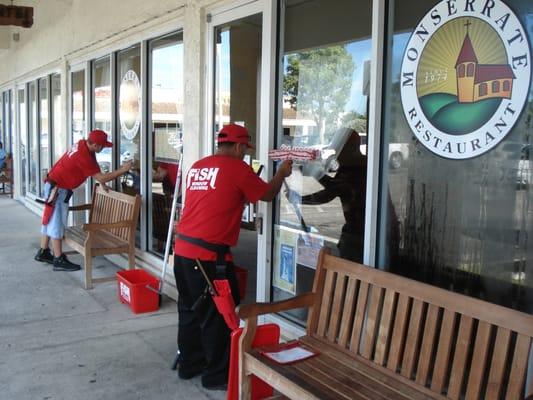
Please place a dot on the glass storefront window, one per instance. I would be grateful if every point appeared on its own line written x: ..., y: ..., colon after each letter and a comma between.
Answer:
x: 77, y: 102
x: 166, y: 96
x: 33, y: 139
x: 101, y: 87
x: 6, y: 122
x: 77, y: 118
x: 129, y: 116
x: 323, y: 106
x: 60, y: 134
x: 129, y: 121
x: 462, y: 224
x: 237, y: 72
x: 23, y: 132
x: 44, y: 137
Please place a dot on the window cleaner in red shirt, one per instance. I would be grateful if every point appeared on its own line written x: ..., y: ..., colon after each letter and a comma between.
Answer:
x: 217, y: 188
x: 69, y: 172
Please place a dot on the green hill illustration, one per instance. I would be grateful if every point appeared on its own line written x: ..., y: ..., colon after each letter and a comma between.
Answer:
x: 448, y: 115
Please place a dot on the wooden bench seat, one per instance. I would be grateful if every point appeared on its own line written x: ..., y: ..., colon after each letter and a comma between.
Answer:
x: 111, y: 230
x: 382, y: 336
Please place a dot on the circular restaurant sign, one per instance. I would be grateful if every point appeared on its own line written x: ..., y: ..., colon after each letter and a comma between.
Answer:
x: 130, y: 104
x: 465, y: 77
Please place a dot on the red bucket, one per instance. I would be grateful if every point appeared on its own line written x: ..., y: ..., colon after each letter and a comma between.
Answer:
x: 138, y: 288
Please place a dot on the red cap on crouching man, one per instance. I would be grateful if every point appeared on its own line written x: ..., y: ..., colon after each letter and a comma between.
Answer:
x: 99, y: 137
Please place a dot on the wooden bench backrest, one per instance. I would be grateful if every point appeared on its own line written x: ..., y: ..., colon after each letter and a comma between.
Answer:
x: 454, y: 345
x: 109, y: 207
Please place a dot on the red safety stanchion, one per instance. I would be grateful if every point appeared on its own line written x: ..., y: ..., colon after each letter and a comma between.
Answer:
x: 265, y: 335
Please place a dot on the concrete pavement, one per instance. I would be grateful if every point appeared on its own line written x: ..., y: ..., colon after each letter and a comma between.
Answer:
x: 59, y: 341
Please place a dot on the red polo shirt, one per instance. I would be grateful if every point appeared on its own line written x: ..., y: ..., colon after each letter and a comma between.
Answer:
x: 76, y: 165
x: 217, y: 188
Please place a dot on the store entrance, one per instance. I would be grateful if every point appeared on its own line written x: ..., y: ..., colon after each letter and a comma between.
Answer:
x: 236, y: 78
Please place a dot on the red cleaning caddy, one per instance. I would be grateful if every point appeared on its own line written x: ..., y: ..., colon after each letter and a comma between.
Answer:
x: 138, y: 288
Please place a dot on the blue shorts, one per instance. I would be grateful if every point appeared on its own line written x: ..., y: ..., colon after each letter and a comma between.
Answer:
x: 58, y: 221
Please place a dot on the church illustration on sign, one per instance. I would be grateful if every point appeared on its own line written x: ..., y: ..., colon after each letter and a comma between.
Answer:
x: 476, y: 81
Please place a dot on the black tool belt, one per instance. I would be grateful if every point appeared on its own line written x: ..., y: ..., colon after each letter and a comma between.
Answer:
x: 220, y: 249
x: 53, y: 184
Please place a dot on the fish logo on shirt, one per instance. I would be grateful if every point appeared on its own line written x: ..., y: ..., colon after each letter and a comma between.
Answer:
x: 202, y: 178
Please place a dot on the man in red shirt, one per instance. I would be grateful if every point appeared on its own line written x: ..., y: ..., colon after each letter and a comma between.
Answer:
x: 217, y: 188
x: 69, y: 172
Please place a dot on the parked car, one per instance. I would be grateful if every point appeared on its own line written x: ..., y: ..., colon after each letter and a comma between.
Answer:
x: 398, y: 152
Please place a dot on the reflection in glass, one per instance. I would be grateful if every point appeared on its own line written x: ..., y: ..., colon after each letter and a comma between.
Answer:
x: 166, y: 93
x: 77, y: 102
x: 60, y: 134
x: 78, y: 105
x: 6, y: 129
x: 323, y: 103
x: 23, y: 139
x: 129, y: 118
x: 101, y: 105
x: 129, y: 115
x: 237, y: 72
x: 44, y: 134
x: 462, y: 224
x: 34, y: 143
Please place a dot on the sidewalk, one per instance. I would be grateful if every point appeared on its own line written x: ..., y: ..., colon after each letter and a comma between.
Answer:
x: 59, y: 341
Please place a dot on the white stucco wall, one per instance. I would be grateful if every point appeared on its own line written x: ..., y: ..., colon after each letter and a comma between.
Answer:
x: 64, y: 27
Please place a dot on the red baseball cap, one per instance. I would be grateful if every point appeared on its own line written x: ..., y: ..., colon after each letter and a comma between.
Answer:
x: 99, y: 137
x: 235, y: 134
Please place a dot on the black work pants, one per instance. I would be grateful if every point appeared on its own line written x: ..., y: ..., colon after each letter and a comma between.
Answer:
x: 203, y: 336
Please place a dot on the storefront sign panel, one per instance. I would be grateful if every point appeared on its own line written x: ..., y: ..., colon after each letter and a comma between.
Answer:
x: 465, y: 77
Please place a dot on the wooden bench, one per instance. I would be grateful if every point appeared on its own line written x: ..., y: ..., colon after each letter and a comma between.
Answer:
x: 382, y: 336
x: 111, y: 229
x: 6, y: 177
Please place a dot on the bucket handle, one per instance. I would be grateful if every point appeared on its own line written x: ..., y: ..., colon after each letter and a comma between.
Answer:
x: 152, y: 289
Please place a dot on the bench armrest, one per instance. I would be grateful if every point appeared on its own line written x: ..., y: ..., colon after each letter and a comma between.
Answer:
x: 81, y: 207
x: 98, y: 227
x: 246, y: 311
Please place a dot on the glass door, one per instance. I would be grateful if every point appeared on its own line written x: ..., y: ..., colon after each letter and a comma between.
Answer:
x: 323, y: 106
x: 240, y: 80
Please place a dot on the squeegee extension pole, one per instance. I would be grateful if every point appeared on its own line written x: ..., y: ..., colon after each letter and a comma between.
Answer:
x: 177, y: 187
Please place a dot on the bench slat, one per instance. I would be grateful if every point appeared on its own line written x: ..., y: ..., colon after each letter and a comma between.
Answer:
x: 325, y: 307
x: 379, y: 376
x: 499, y: 358
x: 336, y: 386
x: 442, y: 360
x: 479, y: 359
x: 347, y: 320
x: 372, y: 322
x: 384, y: 327
x: 460, y: 358
x: 359, y: 317
x: 411, y: 345
x: 428, y: 341
x: 398, y: 335
x: 336, y: 313
x: 520, y: 360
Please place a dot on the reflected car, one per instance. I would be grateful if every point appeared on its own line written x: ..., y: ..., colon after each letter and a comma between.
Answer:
x: 398, y: 152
